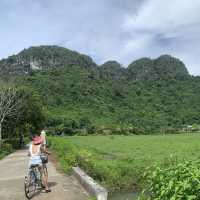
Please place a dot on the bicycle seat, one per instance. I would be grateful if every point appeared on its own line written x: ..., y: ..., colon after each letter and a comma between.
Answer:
x: 34, y: 165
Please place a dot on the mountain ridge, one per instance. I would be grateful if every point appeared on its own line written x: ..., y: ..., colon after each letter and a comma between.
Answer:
x: 47, y: 57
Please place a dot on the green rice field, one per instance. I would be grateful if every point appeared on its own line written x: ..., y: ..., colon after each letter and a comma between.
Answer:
x: 119, y: 162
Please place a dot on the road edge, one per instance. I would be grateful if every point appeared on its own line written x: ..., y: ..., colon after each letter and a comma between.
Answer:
x: 89, y: 184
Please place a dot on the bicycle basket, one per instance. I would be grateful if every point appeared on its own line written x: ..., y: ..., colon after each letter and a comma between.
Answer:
x: 44, y: 158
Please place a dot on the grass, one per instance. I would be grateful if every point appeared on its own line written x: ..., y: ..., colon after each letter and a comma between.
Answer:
x: 5, y: 149
x: 155, y: 148
x: 118, y: 162
x: 2, y: 155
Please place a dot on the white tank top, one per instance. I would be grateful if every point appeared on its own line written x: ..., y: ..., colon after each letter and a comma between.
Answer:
x: 37, y: 153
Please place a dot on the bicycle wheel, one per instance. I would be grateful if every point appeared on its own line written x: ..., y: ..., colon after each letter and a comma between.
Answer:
x: 30, y: 185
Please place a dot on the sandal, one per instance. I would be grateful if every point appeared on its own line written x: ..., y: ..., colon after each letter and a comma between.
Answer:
x: 48, y: 190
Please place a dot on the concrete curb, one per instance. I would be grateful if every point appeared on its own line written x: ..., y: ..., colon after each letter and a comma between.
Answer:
x: 90, y: 185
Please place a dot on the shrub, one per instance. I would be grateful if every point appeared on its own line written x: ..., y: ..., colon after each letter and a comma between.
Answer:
x: 14, y: 142
x: 177, y: 182
x: 7, y: 148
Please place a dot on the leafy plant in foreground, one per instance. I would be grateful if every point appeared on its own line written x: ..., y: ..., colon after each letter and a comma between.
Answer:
x: 177, y: 182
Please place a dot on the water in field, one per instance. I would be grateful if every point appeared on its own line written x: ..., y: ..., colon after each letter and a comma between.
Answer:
x: 124, y: 196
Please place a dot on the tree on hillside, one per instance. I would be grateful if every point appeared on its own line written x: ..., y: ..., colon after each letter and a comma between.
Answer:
x: 10, y: 104
x: 29, y: 117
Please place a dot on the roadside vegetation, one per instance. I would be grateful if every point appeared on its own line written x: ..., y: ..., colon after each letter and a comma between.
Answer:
x: 180, y: 180
x: 119, y: 162
x: 5, y: 150
x: 20, y: 115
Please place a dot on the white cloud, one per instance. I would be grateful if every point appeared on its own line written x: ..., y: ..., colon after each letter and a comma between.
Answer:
x: 123, y: 30
x: 164, y: 16
x: 172, y: 27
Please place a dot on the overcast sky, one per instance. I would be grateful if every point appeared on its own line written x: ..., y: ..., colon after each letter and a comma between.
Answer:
x: 121, y: 30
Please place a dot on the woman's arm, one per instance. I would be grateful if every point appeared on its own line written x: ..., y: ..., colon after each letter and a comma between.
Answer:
x: 29, y: 150
x: 44, y: 150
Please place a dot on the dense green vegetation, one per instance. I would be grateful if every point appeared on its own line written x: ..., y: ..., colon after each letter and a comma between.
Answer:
x: 5, y: 150
x: 179, y: 181
x: 150, y: 96
x: 74, y: 94
x: 119, y: 162
x: 20, y: 114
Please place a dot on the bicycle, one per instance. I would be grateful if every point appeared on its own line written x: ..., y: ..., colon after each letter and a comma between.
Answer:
x: 33, y: 182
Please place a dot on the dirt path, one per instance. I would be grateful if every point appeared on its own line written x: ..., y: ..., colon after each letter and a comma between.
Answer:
x: 13, y: 169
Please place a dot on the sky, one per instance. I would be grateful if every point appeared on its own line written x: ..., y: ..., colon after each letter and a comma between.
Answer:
x: 121, y: 30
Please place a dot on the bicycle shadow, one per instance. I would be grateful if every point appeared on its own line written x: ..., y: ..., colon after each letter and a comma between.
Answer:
x: 52, y: 184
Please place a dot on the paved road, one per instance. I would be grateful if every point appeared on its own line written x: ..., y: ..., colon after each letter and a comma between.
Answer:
x: 13, y: 168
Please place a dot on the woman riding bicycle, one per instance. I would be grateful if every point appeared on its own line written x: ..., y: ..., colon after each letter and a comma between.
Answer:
x: 35, y: 151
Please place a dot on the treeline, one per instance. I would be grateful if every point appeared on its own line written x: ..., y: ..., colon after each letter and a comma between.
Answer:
x: 77, y: 101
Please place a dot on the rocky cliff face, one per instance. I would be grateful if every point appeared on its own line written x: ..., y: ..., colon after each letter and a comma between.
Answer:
x: 153, y: 69
x: 167, y: 65
x: 43, y: 58
x: 113, y: 70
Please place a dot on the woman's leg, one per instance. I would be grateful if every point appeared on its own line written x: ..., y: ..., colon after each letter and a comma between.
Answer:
x: 45, y: 178
x: 45, y: 171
